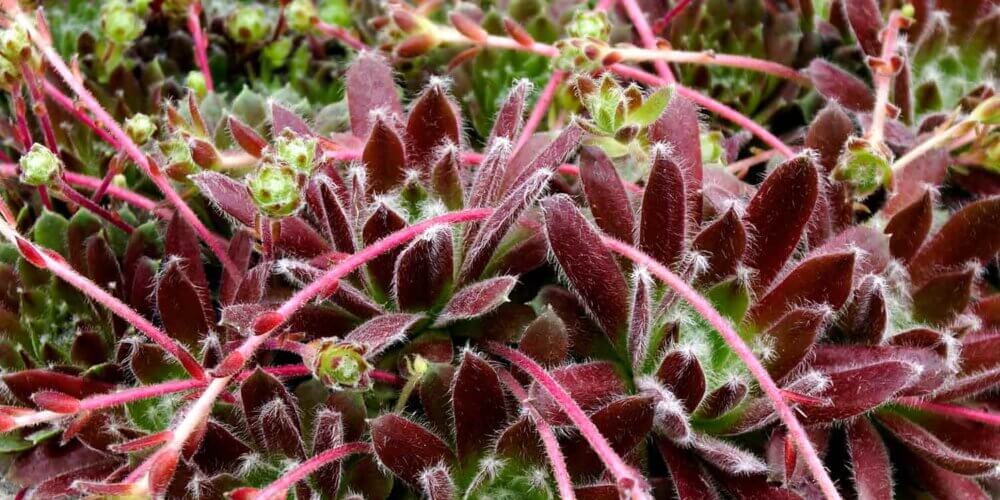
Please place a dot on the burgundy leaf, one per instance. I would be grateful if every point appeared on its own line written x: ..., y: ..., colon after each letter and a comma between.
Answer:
x: 943, y: 297
x: 278, y: 426
x: 329, y: 433
x: 589, y: 267
x: 520, y: 441
x: 24, y: 383
x: 51, y: 459
x: 511, y: 115
x: 869, y: 461
x: 383, y: 222
x: 384, y: 157
x: 925, y: 444
x: 264, y: 399
x: 434, y: 397
x: 663, y: 216
x: 296, y: 238
x: 865, y: 317
x: 824, y: 279
x: 227, y: 195
x: 239, y: 251
x: 853, y: 391
x: 246, y: 137
x: 624, y: 423
x: 913, y: 180
x: 777, y: 215
x: 678, y: 126
x: 378, y: 333
x: 690, y: 480
x: 908, y: 227
x: 486, y: 183
x: 406, y: 448
x: 792, y: 337
x: 970, y: 234
x: 102, y: 265
x: 548, y: 159
x: 180, y: 308
x: 723, y: 242
x: 840, y: 86
x: 827, y: 134
x: 182, y: 241
x: 942, y: 483
x: 446, y: 180
x: 865, y: 19
x: 283, y: 118
x: 639, y: 323
x: 254, y: 284
x: 728, y: 458
x: 325, y: 204
x: 723, y: 399
x: 476, y: 300
x: 606, y: 195
x: 370, y: 87
x: 437, y: 484
x: 433, y: 121
x: 869, y: 245
x: 423, y: 270
x: 478, y: 401
x: 546, y: 339
x: 979, y: 353
x: 969, y: 385
x: 589, y: 384
x: 681, y: 373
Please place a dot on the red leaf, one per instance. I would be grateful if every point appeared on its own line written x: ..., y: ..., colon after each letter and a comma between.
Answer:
x: 383, y: 222
x: 606, y: 196
x: 437, y: 484
x: 639, y: 323
x: 384, y: 157
x: 792, y: 337
x: 840, y: 86
x: 476, y: 300
x: 486, y: 183
x: 179, y: 305
x: 824, y: 279
x: 370, y: 87
x: 777, y: 215
x: 434, y: 397
x: 970, y: 234
x: 326, y: 206
x: 25, y: 383
x: 624, y: 423
x: 728, y: 458
x: 161, y: 470
x: 925, y: 444
x: 690, y: 481
x: 589, y: 384
x: 980, y: 353
x: 912, y: 181
x: 678, y: 126
x: 246, y: 137
x: 589, y: 267
x: 723, y: 399
x: 239, y: 251
x: 869, y: 461
x: 329, y: 432
x: 262, y: 396
x: 663, y: 216
x: 182, y: 241
x: 827, y: 134
x: 853, y: 391
x: 548, y: 159
x: 433, y: 121
x: 511, y: 115
x: 227, y: 195
x: 942, y: 483
x: 382, y: 331
x: 865, y: 317
x: 297, y: 239
x: 546, y: 339
x: 908, y: 227
x: 943, y: 297
x: 969, y: 386
x: 423, y: 270
x: 406, y: 448
x: 865, y: 19
x: 446, y: 180
x: 56, y: 401
x: 723, y: 241
x: 681, y: 373
x: 478, y: 402
x: 283, y: 118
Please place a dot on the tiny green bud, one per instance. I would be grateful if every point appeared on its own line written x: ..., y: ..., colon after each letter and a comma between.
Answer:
x: 863, y: 165
x: 40, y: 166
x: 300, y: 15
x: 338, y: 365
x: 277, y: 52
x: 712, y: 150
x: 297, y: 152
x: 336, y: 12
x: 15, y: 44
x: 908, y: 11
x: 589, y: 24
x: 248, y: 24
x: 196, y: 82
x: 140, y: 128
x: 120, y: 22
x: 275, y: 189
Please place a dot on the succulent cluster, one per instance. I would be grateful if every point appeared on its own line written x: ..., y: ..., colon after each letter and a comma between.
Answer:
x: 306, y: 249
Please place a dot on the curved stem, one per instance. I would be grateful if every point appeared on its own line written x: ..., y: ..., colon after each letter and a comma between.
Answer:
x: 648, y: 39
x: 882, y: 74
x: 67, y: 104
x: 625, y: 476
x: 548, y: 437
x: 38, y: 105
x: 735, y: 342
x: 540, y: 109
x: 200, y: 43
x: 89, y: 205
x: 91, y: 183
x: 277, y: 489
x: 341, y: 34
x: 953, y: 411
x: 662, y: 23
x: 739, y: 168
x: 712, y: 59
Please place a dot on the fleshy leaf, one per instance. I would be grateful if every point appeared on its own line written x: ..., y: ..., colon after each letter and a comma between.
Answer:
x: 370, y: 87
x: 546, y: 339
x: 827, y: 135
x: 479, y: 409
x: 870, y: 461
x: 925, y: 444
x: 678, y: 126
x: 663, y: 216
x: 327, y: 207
x: 853, y: 391
x: 381, y: 223
x: 384, y: 157
x: 382, y: 331
x: 681, y: 373
x: 407, y: 448
x: 970, y: 234
x: 283, y: 118
x: 824, y: 279
x: 511, y: 115
x: 246, y: 137
x: 229, y: 196
x: 943, y: 297
x: 605, y: 194
x: 723, y: 242
x: 180, y: 308
x: 624, y: 423
x: 423, y: 270
x: 476, y: 300
x: 433, y: 122
x: 589, y: 384
x: 865, y: 19
x: 791, y: 338
x: 908, y: 228
x: 840, y: 86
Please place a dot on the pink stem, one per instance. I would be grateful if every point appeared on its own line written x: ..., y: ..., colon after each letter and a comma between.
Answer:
x: 735, y: 342
x: 663, y: 22
x: 58, y: 266
x: 41, y: 112
x: 953, y: 411
x: 130, y: 147
x: 549, y: 441
x: 739, y: 168
x: 67, y: 104
x: 88, y: 204
x: 646, y: 36
x: 541, y: 108
x: 87, y: 182
x: 277, y: 489
x: 341, y: 34
x: 882, y: 75
x: 21, y: 121
x: 106, y: 181
x: 604, y: 5
x: 626, y: 477
x: 200, y: 44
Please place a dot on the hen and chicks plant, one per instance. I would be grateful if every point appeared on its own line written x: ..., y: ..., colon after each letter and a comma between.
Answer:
x: 459, y: 251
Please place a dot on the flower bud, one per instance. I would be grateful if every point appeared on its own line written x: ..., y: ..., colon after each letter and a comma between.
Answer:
x: 338, y: 365
x: 863, y: 165
x: 337, y: 12
x: 40, y: 166
x: 275, y: 189
x: 140, y: 128
x: 15, y: 45
x: 175, y: 8
x: 248, y: 24
x: 120, y: 22
x: 296, y: 151
x: 300, y: 15
x: 589, y: 24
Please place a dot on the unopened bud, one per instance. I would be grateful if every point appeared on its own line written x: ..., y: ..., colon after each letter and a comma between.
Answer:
x: 120, y: 22
x: 15, y: 44
x: 589, y: 24
x: 248, y: 24
x: 275, y: 189
x: 140, y: 128
x: 337, y: 365
x: 196, y: 82
x: 296, y: 151
x: 301, y: 15
x: 40, y: 166
x: 863, y: 165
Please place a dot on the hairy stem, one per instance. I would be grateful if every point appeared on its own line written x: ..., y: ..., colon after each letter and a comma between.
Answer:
x: 882, y: 73
x: 626, y: 477
x: 276, y: 490
x: 70, y: 107
x: 540, y: 109
x: 646, y: 36
x: 712, y: 59
x: 341, y: 34
x: 953, y: 411
x: 200, y: 43
x: 940, y: 138
x: 38, y: 106
x: 74, y: 196
x: 548, y: 437
x: 735, y: 342
x: 90, y: 183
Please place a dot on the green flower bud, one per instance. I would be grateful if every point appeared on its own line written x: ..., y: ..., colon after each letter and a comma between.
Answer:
x: 573, y: 57
x: 120, y: 22
x: 300, y: 15
x: 712, y: 150
x: 863, y: 165
x: 140, y: 128
x: 196, y: 82
x: 589, y: 24
x: 175, y: 8
x: 336, y: 12
x: 275, y: 189
x: 296, y: 151
x: 248, y: 24
x: 40, y: 166
x: 338, y: 365
x: 15, y: 45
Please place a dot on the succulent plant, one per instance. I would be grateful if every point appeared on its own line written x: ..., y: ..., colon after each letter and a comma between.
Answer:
x: 510, y: 261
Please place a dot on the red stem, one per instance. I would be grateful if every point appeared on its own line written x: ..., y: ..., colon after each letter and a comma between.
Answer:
x: 21, y: 120
x: 953, y: 411
x: 88, y: 204
x: 626, y: 477
x: 41, y: 111
x: 663, y: 22
x: 67, y: 104
x: 277, y: 489
x: 341, y: 34
x: 646, y: 36
x: 200, y: 43
x: 735, y: 342
x: 540, y: 109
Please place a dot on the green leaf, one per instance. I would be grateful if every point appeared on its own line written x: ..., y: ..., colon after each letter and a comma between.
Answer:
x: 50, y: 231
x: 610, y: 145
x: 651, y: 108
x: 11, y: 443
